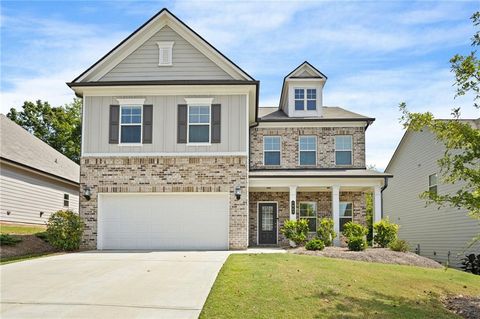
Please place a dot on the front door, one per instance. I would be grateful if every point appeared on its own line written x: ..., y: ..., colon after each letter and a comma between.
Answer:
x: 267, y: 223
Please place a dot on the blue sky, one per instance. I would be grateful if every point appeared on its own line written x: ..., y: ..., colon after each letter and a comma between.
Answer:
x: 375, y: 53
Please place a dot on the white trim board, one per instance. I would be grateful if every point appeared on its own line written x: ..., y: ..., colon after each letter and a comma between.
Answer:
x: 178, y: 154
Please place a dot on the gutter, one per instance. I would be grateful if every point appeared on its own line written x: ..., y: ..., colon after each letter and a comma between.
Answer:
x: 385, y: 185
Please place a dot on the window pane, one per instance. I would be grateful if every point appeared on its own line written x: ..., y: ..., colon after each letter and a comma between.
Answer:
x: 311, y: 94
x: 126, y: 111
x: 308, y: 158
x: 271, y: 143
x: 433, y: 189
x: 126, y: 119
x: 198, y: 134
x: 343, y: 221
x: 432, y: 180
x: 267, y: 218
x: 272, y: 158
x: 307, y: 210
x: 299, y: 105
x: 199, y: 114
x: 308, y: 143
x: 343, y: 158
x: 311, y: 105
x: 131, y: 134
x: 299, y: 94
x: 312, y: 224
x: 343, y: 143
x: 136, y: 119
x: 131, y: 115
x: 345, y: 209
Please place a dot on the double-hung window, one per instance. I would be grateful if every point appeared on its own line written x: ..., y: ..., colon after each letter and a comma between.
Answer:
x: 199, y: 124
x: 343, y: 150
x: 66, y: 200
x: 130, y: 124
x: 432, y: 184
x: 346, y: 213
x: 305, y: 99
x: 271, y: 150
x: 308, y: 150
x: 308, y: 211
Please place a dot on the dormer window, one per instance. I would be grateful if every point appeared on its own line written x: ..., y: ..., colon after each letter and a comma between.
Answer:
x: 305, y: 99
x: 165, y: 49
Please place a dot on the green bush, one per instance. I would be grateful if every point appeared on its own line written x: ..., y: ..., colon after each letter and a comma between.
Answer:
x: 325, y: 231
x: 357, y: 243
x: 399, y: 245
x: 352, y: 229
x: 385, y: 232
x: 64, y: 230
x: 295, y: 230
x: 8, y: 240
x: 315, y: 244
x: 43, y: 236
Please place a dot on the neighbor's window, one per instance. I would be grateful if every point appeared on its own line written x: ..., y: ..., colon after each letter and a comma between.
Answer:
x: 308, y: 150
x: 66, y: 200
x: 198, y: 124
x: 432, y: 184
x: 308, y: 211
x: 346, y: 213
x: 343, y: 150
x: 305, y: 99
x: 131, y: 124
x: 271, y: 150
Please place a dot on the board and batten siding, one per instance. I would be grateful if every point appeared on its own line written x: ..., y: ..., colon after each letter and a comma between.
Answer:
x: 437, y: 231
x: 164, y: 137
x: 25, y: 194
x: 188, y: 63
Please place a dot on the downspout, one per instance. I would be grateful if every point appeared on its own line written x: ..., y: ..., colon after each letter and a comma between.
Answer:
x: 385, y: 185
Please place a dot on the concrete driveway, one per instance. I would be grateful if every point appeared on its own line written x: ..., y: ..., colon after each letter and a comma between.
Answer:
x: 110, y: 285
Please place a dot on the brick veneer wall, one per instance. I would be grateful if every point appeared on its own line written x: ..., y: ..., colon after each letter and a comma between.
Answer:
x: 324, y: 208
x: 289, y: 145
x: 165, y: 174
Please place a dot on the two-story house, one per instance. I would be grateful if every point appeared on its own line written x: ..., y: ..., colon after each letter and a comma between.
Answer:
x: 177, y: 154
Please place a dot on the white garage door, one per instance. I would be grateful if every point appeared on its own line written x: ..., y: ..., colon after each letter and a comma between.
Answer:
x: 163, y: 221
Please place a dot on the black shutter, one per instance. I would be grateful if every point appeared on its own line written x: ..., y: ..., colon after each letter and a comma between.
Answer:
x: 182, y: 124
x: 216, y: 123
x: 147, y: 124
x: 113, y: 125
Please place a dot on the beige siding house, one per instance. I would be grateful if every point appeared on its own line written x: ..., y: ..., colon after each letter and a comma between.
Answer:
x: 35, y: 179
x: 442, y: 234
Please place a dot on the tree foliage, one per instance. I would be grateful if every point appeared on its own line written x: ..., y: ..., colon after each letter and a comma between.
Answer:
x: 59, y: 127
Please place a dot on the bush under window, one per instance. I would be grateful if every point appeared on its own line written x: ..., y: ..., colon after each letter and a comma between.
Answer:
x: 315, y: 244
x: 399, y: 245
x: 385, y: 232
x: 64, y: 230
x: 352, y: 229
x: 295, y: 230
x: 357, y: 243
x: 325, y: 231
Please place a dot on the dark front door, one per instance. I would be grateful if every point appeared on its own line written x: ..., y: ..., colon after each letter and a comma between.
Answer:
x: 267, y: 223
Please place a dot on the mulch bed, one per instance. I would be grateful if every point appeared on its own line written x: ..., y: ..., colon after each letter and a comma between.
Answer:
x: 467, y: 307
x: 29, y: 245
x: 379, y: 255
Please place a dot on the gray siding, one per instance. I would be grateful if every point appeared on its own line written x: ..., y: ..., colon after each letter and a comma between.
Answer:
x: 436, y: 230
x: 233, y: 126
x: 26, y: 194
x: 188, y: 62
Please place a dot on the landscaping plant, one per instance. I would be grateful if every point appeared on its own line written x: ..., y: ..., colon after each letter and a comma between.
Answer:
x: 399, y: 245
x: 352, y: 229
x: 295, y: 230
x: 8, y: 240
x: 64, y: 230
x: 325, y: 231
x: 385, y: 232
x: 315, y: 244
x: 357, y: 243
x: 471, y: 263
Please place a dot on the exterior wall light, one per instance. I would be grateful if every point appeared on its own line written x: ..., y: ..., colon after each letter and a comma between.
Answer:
x: 238, y: 192
x: 87, y: 193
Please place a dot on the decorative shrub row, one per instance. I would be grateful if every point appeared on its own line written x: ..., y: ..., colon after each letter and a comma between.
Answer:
x: 8, y: 240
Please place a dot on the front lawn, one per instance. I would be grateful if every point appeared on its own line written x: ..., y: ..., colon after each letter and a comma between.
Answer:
x: 16, y: 229
x: 297, y: 286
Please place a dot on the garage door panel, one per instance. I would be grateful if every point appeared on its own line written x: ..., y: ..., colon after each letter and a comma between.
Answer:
x: 163, y: 221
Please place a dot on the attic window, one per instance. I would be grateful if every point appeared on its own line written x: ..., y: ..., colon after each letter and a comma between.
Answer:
x: 165, y: 53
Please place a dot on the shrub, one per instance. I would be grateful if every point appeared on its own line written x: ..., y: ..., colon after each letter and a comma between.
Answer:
x: 471, y: 263
x: 357, y: 243
x: 325, y: 231
x: 352, y: 229
x: 315, y: 244
x: 399, y: 245
x: 43, y: 236
x: 64, y: 230
x: 295, y: 230
x: 8, y: 240
x: 385, y: 232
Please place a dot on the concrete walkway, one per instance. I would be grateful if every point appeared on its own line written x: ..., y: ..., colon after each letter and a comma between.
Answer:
x: 112, y: 284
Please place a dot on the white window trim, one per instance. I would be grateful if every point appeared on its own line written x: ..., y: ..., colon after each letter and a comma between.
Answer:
x: 280, y: 150
x: 310, y: 217
x: 199, y: 102
x: 165, y: 45
x: 433, y: 185
x: 351, y: 150
x: 305, y: 99
x: 339, y: 216
x: 130, y: 124
x: 299, y: 150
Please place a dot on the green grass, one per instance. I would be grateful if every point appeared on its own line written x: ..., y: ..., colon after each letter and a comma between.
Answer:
x: 15, y: 229
x: 15, y: 259
x: 296, y: 286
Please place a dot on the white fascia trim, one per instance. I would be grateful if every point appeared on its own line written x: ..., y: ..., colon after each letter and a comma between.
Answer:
x: 142, y: 90
x: 305, y: 80
x: 314, y: 182
x: 310, y: 124
x: 131, y: 101
x: 199, y: 101
x: 157, y: 154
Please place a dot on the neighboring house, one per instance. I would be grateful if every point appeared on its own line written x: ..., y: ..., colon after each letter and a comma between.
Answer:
x: 441, y: 234
x: 35, y: 179
x: 176, y: 153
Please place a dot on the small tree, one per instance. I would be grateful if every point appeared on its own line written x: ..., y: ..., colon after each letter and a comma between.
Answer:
x: 326, y: 232
x: 295, y: 230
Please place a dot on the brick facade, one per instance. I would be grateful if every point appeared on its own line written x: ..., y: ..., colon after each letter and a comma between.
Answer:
x: 324, y: 208
x: 165, y: 174
x: 289, y: 145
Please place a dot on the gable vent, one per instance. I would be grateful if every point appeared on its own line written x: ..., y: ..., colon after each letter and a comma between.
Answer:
x: 165, y: 53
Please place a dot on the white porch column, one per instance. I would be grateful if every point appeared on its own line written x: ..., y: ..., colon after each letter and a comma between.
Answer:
x: 336, y: 213
x: 293, y: 202
x: 377, y: 204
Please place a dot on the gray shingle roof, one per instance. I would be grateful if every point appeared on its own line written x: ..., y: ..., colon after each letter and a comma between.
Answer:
x: 329, y: 112
x: 18, y: 145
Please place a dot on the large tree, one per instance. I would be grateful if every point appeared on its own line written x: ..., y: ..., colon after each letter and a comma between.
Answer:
x: 460, y: 163
x: 59, y: 127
